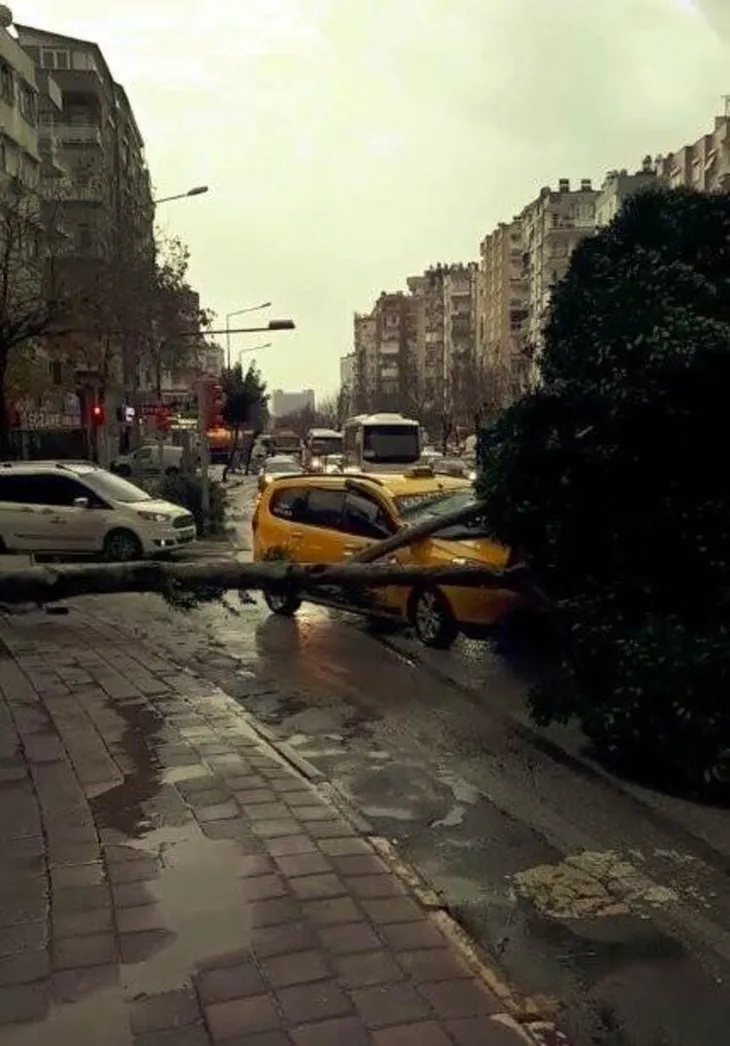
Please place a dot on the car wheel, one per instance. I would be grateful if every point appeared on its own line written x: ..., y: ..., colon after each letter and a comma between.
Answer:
x: 433, y: 618
x: 122, y: 546
x: 280, y: 602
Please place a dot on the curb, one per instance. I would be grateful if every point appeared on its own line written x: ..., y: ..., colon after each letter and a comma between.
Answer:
x: 530, y: 1018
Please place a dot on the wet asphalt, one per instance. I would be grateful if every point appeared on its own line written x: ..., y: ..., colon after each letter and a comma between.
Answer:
x: 601, y: 902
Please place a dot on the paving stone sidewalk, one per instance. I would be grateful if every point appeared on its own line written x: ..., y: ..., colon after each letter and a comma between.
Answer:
x: 167, y: 880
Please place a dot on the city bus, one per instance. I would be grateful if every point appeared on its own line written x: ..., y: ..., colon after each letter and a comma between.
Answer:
x: 319, y: 445
x: 381, y: 443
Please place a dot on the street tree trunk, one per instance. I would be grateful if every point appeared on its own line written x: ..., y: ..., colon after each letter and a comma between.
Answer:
x: 232, y: 455
x: 46, y: 584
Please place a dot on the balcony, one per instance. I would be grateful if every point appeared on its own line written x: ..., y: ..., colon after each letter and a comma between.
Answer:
x: 75, y: 193
x: 49, y: 150
x: 80, y: 134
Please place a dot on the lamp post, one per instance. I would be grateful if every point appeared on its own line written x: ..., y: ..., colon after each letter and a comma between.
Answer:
x: 197, y: 190
x: 228, y: 332
x: 255, y: 348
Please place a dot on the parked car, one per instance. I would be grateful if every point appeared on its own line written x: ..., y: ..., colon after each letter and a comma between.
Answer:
x: 71, y: 508
x: 149, y: 460
x: 327, y: 519
x: 278, y: 465
x: 454, y: 467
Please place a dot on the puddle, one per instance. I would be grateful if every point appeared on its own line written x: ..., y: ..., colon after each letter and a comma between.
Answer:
x: 201, y: 899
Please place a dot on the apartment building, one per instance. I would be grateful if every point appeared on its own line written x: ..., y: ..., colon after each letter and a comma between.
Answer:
x: 94, y: 164
x: 619, y: 186
x: 395, y: 329
x: 460, y: 331
x: 502, y: 296
x: 285, y: 403
x: 347, y: 372
x: 19, y: 149
x: 384, y: 347
x: 703, y: 165
x: 552, y: 227
x: 365, y: 351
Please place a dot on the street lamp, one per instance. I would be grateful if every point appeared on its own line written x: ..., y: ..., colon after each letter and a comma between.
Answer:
x: 239, y: 312
x: 197, y: 190
x: 256, y: 348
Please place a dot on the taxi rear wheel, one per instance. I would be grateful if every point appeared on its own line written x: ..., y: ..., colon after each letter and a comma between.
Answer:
x: 432, y: 618
x: 285, y: 604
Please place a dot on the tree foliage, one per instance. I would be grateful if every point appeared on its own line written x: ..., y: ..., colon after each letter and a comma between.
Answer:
x: 245, y: 406
x: 607, y: 476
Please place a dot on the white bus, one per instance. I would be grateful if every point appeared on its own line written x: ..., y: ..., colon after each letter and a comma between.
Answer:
x: 381, y: 443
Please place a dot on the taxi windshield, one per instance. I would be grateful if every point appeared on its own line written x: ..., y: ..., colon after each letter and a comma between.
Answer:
x: 416, y: 507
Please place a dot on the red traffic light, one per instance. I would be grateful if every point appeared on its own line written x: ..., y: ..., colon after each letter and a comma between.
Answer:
x: 97, y: 414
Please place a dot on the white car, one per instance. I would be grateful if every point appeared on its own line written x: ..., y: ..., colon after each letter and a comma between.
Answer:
x: 75, y: 508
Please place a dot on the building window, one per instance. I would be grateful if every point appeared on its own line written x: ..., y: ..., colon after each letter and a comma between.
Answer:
x: 56, y: 371
x: 54, y: 59
x: 83, y: 236
x: 7, y: 84
x: 28, y: 104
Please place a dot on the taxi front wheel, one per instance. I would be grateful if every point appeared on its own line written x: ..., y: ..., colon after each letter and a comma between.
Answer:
x: 280, y: 602
x: 432, y: 618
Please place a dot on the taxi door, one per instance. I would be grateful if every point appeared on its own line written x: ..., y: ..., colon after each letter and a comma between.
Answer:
x: 366, y: 521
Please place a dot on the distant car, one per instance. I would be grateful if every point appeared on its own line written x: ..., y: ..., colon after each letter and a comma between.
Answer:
x: 149, y: 460
x: 278, y: 465
x: 77, y: 508
x: 453, y: 467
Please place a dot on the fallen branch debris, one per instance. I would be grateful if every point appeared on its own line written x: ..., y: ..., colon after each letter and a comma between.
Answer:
x: 46, y: 584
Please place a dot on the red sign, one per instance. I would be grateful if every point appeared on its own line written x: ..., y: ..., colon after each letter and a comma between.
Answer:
x: 162, y: 418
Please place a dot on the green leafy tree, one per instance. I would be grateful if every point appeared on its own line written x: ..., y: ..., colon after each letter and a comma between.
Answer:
x: 607, y: 476
x: 245, y: 407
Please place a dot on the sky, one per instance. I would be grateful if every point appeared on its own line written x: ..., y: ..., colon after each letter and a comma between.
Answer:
x: 350, y: 144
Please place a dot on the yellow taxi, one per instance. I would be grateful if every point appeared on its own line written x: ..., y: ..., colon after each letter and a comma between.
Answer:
x: 327, y: 519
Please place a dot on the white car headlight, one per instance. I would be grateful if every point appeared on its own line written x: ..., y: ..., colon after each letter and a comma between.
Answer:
x: 155, y: 517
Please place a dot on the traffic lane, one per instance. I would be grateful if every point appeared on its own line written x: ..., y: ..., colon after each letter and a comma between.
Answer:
x: 584, y: 900
x: 471, y: 666
x: 575, y: 889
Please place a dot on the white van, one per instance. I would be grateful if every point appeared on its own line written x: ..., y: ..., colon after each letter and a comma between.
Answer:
x: 149, y: 460
x: 74, y: 508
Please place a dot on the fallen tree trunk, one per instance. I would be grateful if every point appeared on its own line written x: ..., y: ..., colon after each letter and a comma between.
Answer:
x: 410, y: 534
x: 47, y: 584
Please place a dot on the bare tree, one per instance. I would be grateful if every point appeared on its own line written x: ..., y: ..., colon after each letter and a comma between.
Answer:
x: 175, y: 313
x: 480, y: 389
x: 35, y: 302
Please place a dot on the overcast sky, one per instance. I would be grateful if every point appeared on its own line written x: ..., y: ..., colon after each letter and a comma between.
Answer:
x: 350, y: 143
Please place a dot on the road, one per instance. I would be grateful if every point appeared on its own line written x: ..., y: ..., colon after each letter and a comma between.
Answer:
x: 598, y: 900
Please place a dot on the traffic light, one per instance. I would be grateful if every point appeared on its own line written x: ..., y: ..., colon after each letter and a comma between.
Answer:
x: 97, y: 414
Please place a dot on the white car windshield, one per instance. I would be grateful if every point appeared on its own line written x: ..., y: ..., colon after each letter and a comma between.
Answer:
x: 282, y: 465
x: 114, y: 488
